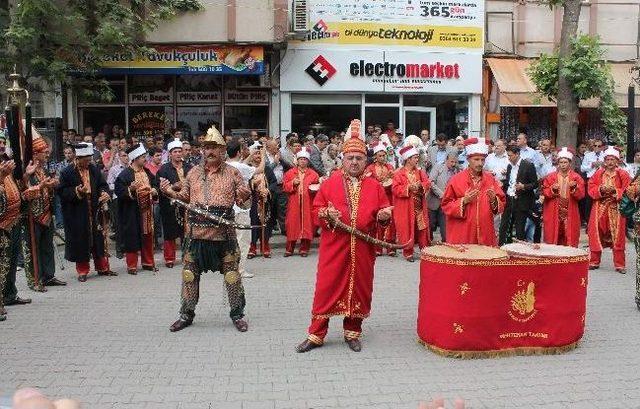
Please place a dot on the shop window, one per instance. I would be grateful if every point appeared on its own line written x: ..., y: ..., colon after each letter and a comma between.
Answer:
x: 239, y: 120
x: 150, y: 120
x: 382, y: 98
x: 323, y: 118
x: 94, y: 95
x: 381, y: 116
x: 198, y: 89
x: 195, y: 120
x: 452, y: 111
x: 150, y: 89
x: 102, y: 119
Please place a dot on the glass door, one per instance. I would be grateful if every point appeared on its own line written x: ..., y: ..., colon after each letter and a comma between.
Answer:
x: 419, y: 118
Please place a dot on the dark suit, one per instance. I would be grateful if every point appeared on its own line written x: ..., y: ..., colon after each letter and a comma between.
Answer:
x: 519, y: 206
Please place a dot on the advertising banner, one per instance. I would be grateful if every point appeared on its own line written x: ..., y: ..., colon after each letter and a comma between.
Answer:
x: 228, y: 60
x: 437, y: 24
x: 381, y: 71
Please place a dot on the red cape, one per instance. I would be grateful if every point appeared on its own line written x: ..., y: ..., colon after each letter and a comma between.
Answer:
x: 551, y: 209
x: 617, y: 222
x: 472, y: 223
x: 298, y: 215
x: 403, y: 212
x: 344, y: 281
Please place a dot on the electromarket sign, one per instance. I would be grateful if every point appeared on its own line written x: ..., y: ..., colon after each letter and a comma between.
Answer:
x: 227, y: 60
x: 381, y: 71
x: 438, y: 24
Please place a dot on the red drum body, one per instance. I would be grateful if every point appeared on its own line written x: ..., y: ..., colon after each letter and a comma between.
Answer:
x: 500, y: 305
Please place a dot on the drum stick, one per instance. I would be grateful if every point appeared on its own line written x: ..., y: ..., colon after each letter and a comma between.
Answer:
x: 458, y: 247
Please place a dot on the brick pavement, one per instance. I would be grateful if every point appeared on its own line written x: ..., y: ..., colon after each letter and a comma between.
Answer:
x: 107, y: 343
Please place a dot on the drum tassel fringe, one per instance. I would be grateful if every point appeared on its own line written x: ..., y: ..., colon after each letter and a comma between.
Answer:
x: 500, y: 353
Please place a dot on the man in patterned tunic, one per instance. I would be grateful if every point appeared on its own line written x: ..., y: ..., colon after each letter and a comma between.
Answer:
x: 214, y: 187
x: 344, y: 281
x: 38, y: 250
x: 9, y: 225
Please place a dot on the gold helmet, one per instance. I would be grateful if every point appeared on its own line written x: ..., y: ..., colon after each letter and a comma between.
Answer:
x: 213, y: 137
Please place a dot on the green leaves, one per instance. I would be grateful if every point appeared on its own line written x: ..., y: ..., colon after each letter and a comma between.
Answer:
x: 589, y: 75
x: 56, y: 40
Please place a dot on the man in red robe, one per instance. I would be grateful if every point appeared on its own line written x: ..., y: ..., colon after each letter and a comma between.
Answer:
x: 298, y: 223
x: 606, y: 224
x: 344, y: 282
x: 471, y: 200
x: 562, y: 190
x: 411, y: 215
x: 382, y: 171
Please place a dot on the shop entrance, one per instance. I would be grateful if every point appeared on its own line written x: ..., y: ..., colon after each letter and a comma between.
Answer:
x: 419, y: 118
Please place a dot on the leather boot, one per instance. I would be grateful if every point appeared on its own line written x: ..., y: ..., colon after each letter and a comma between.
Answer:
x: 306, y: 346
x: 354, y: 344
x: 180, y: 324
x: 252, y: 251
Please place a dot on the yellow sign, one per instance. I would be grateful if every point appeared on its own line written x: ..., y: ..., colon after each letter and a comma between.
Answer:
x: 398, y: 35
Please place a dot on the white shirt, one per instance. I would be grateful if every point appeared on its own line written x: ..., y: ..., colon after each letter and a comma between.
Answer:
x: 278, y: 170
x: 497, y: 165
x: 528, y: 154
x: 543, y: 164
x: 632, y: 169
x: 511, y: 190
x: 589, y: 159
x: 246, y: 172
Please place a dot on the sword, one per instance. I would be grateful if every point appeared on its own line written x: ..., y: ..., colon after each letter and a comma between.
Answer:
x: 213, y: 217
x: 362, y: 235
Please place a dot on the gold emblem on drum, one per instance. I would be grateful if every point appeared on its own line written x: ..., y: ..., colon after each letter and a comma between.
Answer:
x: 188, y: 276
x: 457, y: 328
x: 464, y: 287
x: 523, y: 303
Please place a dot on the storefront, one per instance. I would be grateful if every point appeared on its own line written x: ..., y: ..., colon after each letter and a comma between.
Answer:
x: 415, y: 91
x: 188, y: 88
x: 513, y: 106
x: 418, y: 66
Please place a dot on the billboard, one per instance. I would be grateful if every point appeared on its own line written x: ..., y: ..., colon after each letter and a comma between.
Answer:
x: 433, y: 24
x: 227, y: 60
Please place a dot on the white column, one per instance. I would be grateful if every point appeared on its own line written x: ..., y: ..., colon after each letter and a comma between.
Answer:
x: 475, y: 115
x: 285, y: 115
x: 274, y: 113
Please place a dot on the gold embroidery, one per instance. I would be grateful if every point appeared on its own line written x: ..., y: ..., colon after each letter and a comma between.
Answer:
x: 464, y: 287
x: 350, y: 335
x: 354, y: 188
x: 188, y: 276
x: 505, y: 262
x: 583, y: 281
x: 232, y: 277
x: 315, y: 339
x: 457, y: 328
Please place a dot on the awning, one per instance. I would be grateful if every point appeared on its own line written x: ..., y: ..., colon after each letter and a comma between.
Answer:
x: 516, y: 89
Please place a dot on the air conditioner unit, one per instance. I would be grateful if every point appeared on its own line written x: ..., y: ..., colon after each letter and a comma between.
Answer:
x: 300, y: 16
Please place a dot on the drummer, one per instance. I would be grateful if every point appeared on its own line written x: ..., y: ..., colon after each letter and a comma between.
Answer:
x: 562, y: 190
x: 471, y: 200
x: 296, y: 183
x: 382, y: 171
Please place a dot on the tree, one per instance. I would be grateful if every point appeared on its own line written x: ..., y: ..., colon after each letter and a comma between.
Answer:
x: 577, y: 71
x: 60, y: 41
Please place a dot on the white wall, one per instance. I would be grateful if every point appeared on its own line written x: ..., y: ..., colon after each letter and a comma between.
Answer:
x: 254, y: 23
x: 536, y: 27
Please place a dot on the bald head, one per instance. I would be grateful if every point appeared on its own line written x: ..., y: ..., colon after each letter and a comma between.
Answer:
x: 36, y: 402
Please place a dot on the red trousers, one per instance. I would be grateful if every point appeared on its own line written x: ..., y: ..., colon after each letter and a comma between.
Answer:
x: 305, y: 245
x: 387, y: 234
x: 320, y: 326
x: 169, y: 247
x: 146, y: 254
x: 618, y: 258
x: 421, y: 238
x: 101, y: 265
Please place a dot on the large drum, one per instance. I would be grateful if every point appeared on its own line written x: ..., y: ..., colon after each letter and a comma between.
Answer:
x: 478, y: 301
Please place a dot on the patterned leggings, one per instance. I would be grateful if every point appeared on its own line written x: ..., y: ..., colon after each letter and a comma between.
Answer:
x: 229, y: 256
x: 636, y: 241
x: 5, y: 253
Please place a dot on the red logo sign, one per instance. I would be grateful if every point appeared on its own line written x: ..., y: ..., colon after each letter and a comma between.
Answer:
x: 320, y: 70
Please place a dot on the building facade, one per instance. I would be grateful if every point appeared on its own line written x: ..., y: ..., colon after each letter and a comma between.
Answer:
x: 207, y: 68
x: 417, y: 64
x: 516, y: 34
